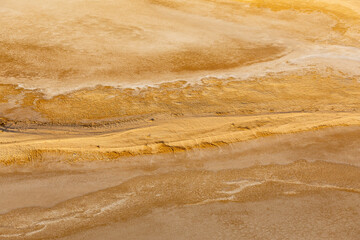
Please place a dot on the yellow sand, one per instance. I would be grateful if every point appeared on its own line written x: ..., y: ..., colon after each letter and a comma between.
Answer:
x: 96, y: 96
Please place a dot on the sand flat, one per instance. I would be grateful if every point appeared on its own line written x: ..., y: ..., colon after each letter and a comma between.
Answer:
x: 158, y: 119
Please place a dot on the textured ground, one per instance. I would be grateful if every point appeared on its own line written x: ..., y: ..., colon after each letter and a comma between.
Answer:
x: 152, y: 87
x: 303, y: 185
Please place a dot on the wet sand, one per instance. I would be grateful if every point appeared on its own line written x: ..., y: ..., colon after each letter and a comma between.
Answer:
x: 304, y: 217
x: 313, y: 175
x: 157, y: 119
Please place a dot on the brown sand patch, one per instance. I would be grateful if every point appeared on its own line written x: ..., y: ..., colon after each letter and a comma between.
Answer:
x: 139, y: 195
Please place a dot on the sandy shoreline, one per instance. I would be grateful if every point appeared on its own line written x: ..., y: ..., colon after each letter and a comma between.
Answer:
x: 306, y: 150
x: 158, y: 119
x: 24, y: 147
